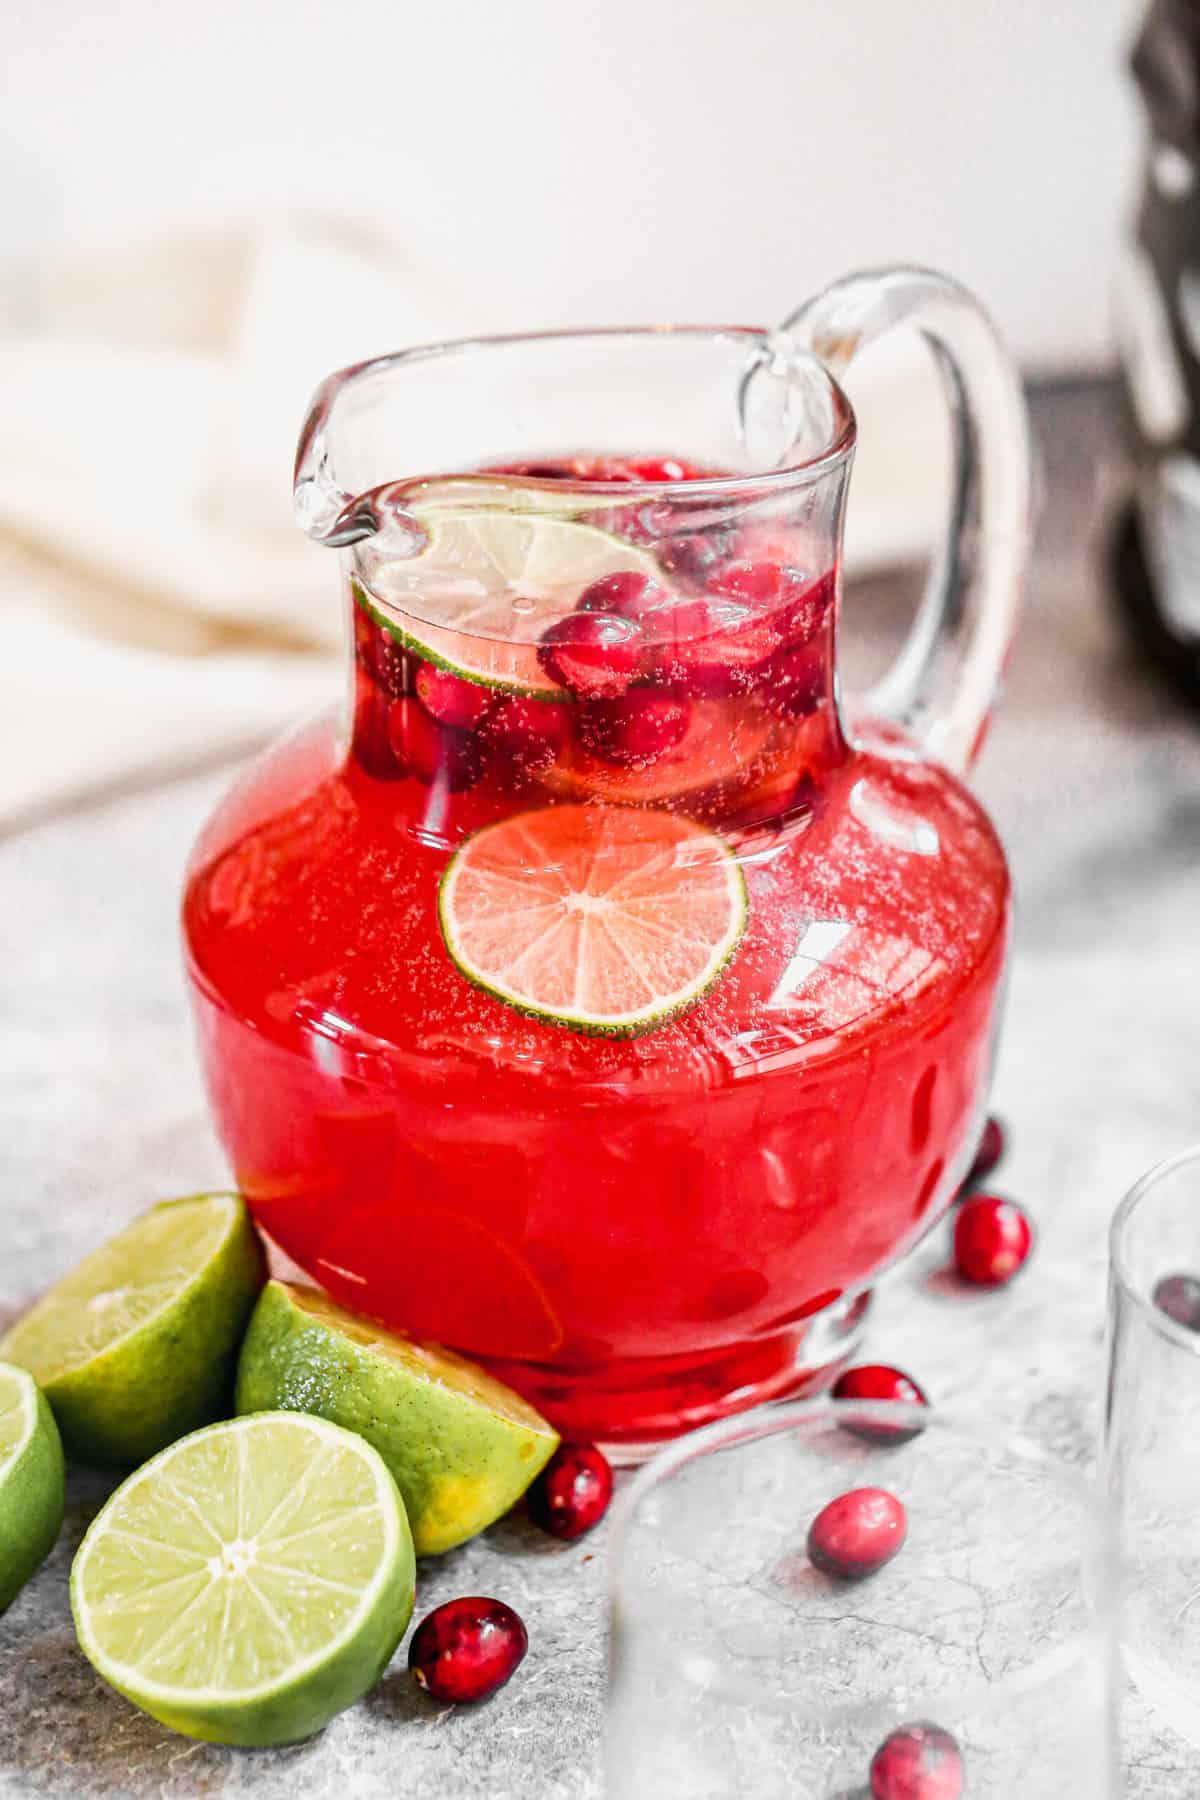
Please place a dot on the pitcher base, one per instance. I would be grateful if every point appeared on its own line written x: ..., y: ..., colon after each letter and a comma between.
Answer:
x: 631, y: 1409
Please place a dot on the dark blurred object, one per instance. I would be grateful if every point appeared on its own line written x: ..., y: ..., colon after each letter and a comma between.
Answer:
x: 1156, y: 549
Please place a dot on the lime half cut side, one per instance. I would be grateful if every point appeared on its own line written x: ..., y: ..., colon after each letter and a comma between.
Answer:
x: 250, y: 1582
x: 138, y: 1344
x: 609, y: 920
x: 31, y: 1480
x: 487, y: 584
x: 462, y: 1447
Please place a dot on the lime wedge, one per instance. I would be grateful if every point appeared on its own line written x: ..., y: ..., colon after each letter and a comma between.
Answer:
x: 250, y: 1582
x: 31, y: 1480
x: 138, y: 1344
x: 462, y: 1447
x: 607, y: 919
x: 486, y: 586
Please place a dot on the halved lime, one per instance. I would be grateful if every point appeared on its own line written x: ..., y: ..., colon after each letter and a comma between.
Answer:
x: 250, y: 1582
x: 138, y: 1344
x: 486, y: 586
x: 31, y: 1480
x: 607, y: 919
x: 462, y: 1447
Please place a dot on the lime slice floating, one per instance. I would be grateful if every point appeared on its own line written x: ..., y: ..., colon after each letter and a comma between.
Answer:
x: 461, y: 1446
x: 250, y: 1582
x: 138, y: 1344
x: 486, y: 586
x: 610, y: 920
x: 31, y: 1480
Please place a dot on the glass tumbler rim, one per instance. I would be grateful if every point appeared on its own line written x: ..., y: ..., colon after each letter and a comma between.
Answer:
x: 1119, y: 1232
x: 776, y: 1418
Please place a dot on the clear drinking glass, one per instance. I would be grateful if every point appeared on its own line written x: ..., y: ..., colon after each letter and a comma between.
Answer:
x: 738, y: 1668
x: 1152, y: 1422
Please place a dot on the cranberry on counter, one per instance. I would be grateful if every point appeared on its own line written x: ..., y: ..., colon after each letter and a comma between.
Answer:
x: 879, y: 1381
x: 992, y: 1240
x: 857, y: 1534
x: 572, y: 1493
x: 466, y: 1649
x: 917, y: 1762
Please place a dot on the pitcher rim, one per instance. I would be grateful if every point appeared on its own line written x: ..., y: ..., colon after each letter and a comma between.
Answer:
x: 839, y: 446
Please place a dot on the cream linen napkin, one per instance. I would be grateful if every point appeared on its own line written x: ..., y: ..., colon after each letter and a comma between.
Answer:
x: 159, y: 607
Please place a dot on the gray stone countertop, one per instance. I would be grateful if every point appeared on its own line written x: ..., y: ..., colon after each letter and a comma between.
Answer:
x: 1093, y: 775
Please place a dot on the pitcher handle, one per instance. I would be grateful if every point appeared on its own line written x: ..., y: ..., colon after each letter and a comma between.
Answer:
x: 943, y: 684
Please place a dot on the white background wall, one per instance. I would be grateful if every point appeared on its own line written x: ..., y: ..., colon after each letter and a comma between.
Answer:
x: 563, y: 160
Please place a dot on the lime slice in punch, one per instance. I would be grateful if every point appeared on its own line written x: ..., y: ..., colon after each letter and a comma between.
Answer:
x: 485, y: 587
x: 609, y: 920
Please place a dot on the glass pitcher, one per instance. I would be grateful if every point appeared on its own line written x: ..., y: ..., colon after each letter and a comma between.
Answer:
x: 600, y: 995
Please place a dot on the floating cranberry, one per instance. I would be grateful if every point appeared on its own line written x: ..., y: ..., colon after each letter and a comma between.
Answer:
x: 572, y: 1493
x: 696, y: 555
x: 762, y: 585
x: 432, y: 752
x: 636, y: 729
x: 992, y: 1239
x: 917, y: 1762
x: 878, y: 1381
x: 526, y: 733
x: 1179, y: 1297
x: 991, y: 1149
x: 807, y: 607
x: 594, y: 654
x: 467, y: 1648
x: 659, y: 468
x: 856, y: 1534
x: 450, y: 699
x: 387, y: 662
x: 713, y: 647
x: 794, y: 680
x: 628, y: 594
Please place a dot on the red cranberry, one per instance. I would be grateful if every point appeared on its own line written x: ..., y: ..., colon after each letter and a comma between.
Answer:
x: 658, y: 468
x: 696, y: 555
x: 467, y: 1648
x: 526, y: 733
x: 432, y: 752
x: 572, y: 1492
x: 762, y: 585
x: 795, y: 605
x: 712, y: 647
x: 877, y: 1381
x: 794, y: 680
x: 387, y: 662
x: 1179, y: 1297
x: 992, y: 1238
x: 626, y: 593
x: 991, y: 1149
x: 856, y: 1534
x: 808, y: 606
x: 594, y: 654
x: 917, y: 1762
x: 636, y: 729
x: 450, y: 699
